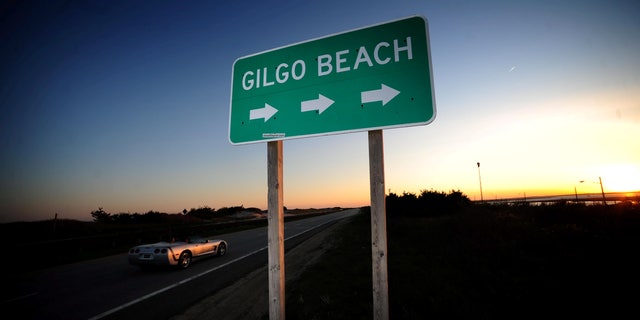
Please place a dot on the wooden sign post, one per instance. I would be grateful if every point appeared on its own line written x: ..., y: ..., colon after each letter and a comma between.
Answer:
x: 275, y: 231
x: 378, y: 227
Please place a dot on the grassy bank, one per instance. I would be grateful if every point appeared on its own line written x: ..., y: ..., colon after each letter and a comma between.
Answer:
x: 483, y: 262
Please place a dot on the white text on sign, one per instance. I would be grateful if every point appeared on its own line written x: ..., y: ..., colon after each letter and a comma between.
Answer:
x: 327, y: 65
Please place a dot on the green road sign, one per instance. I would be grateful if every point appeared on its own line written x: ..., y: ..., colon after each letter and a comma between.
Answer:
x: 371, y: 78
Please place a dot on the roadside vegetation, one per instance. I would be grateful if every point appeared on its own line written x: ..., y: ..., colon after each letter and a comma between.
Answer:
x: 447, y: 256
x: 47, y: 243
x: 451, y: 259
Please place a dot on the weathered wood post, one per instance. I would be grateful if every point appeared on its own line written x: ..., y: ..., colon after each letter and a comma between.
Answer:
x: 378, y: 227
x: 275, y: 231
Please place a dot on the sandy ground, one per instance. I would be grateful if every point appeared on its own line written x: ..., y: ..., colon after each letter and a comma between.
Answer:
x: 248, y: 297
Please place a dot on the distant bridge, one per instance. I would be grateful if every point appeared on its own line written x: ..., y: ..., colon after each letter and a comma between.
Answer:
x: 586, y: 198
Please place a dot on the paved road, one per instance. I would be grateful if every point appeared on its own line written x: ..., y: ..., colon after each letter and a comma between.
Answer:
x: 109, y: 288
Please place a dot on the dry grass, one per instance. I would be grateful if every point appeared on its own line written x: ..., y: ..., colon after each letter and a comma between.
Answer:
x: 483, y: 263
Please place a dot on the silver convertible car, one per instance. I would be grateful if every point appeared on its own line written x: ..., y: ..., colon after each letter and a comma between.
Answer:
x: 179, y: 253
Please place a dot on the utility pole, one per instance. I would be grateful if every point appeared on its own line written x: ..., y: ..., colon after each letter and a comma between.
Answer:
x: 604, y: 200
x: 480, y: 179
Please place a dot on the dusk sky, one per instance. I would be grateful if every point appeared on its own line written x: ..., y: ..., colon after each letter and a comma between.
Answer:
x: 125, y: 105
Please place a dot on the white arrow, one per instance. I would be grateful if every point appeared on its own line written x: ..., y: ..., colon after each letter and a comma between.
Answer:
x: 321, y: 104
x: 267, y: 112
x: 384, y: 94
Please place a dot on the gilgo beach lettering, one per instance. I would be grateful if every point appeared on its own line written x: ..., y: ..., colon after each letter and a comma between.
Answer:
x: 327, y: 64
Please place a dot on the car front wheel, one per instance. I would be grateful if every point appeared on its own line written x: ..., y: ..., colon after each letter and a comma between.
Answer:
x: 222, y: 249
x: 185, y: 260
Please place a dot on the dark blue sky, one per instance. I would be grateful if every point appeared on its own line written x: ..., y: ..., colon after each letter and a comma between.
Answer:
x: 125, y: 105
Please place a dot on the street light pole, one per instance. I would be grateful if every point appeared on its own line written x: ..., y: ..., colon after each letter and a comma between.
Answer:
x: 604, y: 200
x: 480, y: 179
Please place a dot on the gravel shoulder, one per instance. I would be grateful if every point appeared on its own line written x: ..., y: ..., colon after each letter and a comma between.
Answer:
x: 248, y: 298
